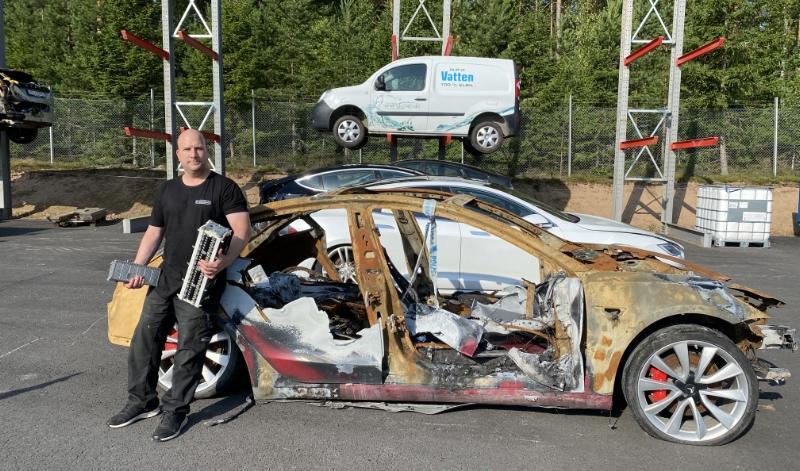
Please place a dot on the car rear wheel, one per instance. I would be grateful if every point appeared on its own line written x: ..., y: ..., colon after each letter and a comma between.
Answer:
x: 486, y: 137
x: 219, y: 367
x: 349, y: 132
x: 342, y: 258
x: 691, y: 384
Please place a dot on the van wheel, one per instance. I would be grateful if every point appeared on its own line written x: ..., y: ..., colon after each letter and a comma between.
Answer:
x: 23, y: 135
x: 349, y: 132
x: 486, y: 137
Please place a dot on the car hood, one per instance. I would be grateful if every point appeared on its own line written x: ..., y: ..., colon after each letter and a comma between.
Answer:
x: 340, y: 94
x: 597, y: 223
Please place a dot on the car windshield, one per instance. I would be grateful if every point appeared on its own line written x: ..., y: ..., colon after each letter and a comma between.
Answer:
x: 530, y: 199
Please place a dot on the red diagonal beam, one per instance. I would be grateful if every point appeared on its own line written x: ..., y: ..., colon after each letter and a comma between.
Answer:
x: 646, y: 141
x: 190, y: 41
x: 705, y: 49
x: 136, y: 132
x: 692, y: 143
x: 208, y: 135
x: 644, y: 50
x: 144, y: 44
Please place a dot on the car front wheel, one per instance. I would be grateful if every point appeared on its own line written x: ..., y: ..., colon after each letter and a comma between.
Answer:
x: 690, y: 384
x: 221, y: 360
x: 349, y: 132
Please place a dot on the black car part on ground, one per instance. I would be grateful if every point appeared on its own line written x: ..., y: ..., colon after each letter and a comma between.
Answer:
x: 25, y: 105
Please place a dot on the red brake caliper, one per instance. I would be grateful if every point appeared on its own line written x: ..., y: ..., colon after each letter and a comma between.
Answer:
x: 658, y: 375
x: 169, y: 344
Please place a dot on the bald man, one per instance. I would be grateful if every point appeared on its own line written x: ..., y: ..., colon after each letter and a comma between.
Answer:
x: 183, y: 205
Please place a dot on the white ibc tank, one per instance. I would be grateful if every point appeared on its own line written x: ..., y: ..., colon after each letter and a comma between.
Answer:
x: 735, y: 214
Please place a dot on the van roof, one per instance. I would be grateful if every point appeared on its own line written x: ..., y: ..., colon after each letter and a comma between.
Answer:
x: 454, y: 59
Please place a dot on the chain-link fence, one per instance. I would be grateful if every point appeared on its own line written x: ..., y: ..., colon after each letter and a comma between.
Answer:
x: 557, y: 142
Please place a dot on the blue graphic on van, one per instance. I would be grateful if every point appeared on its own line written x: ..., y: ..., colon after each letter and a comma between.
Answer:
x: 456, y: 76
x: 386, y: 122
x: 467, y: 120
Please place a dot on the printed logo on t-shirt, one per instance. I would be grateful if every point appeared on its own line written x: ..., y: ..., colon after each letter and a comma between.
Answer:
x: 203, y: 202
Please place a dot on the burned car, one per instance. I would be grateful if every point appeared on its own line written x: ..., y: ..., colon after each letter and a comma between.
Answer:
x: 604, y: 323
x: 25, y: 106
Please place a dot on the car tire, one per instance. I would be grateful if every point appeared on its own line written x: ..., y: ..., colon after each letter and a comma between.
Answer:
x: 486, y: 137
x: 709, y: 407
x: 22, y: 136
x: 349, y: 132
x: 342, y: 258
x: 219, y: 369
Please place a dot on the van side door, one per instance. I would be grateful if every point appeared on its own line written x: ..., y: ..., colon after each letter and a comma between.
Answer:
x: 399, y: 100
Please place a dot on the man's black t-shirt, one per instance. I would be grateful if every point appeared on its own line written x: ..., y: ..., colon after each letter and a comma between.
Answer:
x: 180, y: 210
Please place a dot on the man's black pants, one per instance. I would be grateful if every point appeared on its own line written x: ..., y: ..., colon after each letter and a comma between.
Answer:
x: 158, y: 317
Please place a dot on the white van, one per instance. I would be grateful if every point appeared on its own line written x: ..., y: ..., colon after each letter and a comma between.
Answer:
x: 473, y: 98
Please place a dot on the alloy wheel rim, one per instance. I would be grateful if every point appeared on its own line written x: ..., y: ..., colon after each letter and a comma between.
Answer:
x: 348, y: 130
x: 342, y: 258
x: 487, y: 137
x: 693, y: 391
x: 217, y: 357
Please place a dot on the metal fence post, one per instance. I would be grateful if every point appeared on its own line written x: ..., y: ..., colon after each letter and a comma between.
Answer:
x: 152, y: 119
x: 569, y: 139
x: 52, y: 153
x: 253, y: 116
x: 775, y: 143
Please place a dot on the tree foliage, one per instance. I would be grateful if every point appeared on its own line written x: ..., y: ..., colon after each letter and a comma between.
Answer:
x: 298, y: 48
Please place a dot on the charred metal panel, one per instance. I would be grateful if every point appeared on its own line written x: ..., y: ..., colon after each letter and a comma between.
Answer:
x: 462, y: 334
x: 508, y: 393
x: 415, y: 252
x: 297, y: 342
x: 380, y: 297
x: 621, y: 305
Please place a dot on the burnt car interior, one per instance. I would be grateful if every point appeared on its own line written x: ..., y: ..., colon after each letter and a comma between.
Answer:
x: 529, y: 333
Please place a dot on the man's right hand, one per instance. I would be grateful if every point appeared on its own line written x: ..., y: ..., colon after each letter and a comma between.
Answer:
x: 135, y: 282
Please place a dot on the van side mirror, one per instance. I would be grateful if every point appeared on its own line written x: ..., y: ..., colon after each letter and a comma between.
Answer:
x: 380, y: 84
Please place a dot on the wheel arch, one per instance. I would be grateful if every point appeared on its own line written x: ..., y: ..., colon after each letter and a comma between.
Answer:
x: 493, y: 117
x: 735, y: 332
x: 347, y: 109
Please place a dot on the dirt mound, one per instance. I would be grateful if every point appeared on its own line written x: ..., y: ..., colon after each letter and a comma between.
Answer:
x: 126, y: 193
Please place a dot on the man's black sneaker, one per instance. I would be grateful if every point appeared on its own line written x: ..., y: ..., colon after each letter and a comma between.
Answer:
x: 170, y: 426
x: 131, y: 414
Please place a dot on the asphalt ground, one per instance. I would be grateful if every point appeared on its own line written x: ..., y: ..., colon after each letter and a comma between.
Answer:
x: 60, y: 379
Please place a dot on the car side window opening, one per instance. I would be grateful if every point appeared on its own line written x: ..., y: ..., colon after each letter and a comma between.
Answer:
x: 412, y: 165
x: 495, y: 200
x: 474, y: 174
x: 404, y: 78
x: 334, y: 180
x: 313, y: 182
x: 447, y: 171
x: 393, y: 174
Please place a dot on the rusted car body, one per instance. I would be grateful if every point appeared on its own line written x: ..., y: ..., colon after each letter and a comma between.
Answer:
x: 567, y: 341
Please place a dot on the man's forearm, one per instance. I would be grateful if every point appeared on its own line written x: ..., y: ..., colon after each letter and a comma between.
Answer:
x: 148, y: 246
x: 238, y: 241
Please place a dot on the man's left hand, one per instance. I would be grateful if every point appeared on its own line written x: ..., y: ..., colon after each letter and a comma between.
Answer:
x: 211, y: 269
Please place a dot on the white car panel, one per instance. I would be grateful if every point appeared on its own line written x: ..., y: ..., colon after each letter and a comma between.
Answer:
x: 472, y: 259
